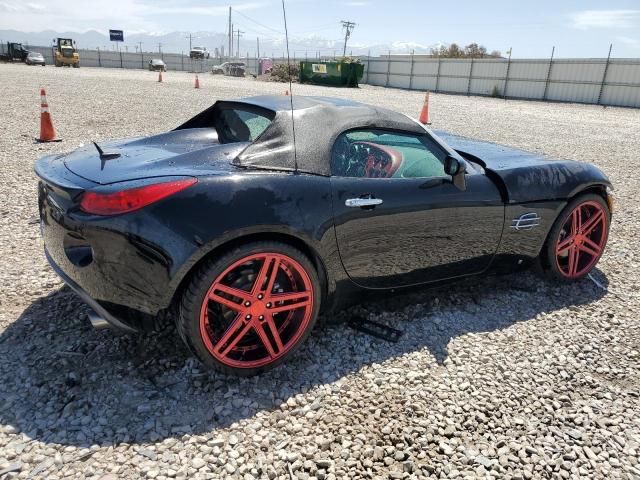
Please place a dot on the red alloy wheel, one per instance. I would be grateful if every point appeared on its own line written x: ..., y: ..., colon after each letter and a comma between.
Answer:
x: 582, y: 239
x: 256, y: 310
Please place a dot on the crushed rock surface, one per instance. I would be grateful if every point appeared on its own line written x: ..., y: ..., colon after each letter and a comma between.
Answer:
x: 505, y: 377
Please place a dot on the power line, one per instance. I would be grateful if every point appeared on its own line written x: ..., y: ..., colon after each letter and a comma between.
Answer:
x: 258, y: 23
x: 348, y: 28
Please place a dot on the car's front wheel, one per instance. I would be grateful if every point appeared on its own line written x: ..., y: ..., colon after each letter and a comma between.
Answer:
x: 577, y: 239
x: 248, y: 310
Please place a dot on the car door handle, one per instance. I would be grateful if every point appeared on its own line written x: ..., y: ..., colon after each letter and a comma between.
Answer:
x: 362, y: 202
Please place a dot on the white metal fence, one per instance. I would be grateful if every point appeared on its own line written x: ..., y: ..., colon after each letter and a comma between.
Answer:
x: 594, y: 80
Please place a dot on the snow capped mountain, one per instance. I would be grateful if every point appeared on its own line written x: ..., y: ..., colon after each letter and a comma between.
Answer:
x: 179, y: 42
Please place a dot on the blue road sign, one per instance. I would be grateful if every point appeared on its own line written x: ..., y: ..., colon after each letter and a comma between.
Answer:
x: 116, y: 35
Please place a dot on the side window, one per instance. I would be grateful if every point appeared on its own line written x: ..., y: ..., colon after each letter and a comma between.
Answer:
x: 370, y: 153
x: 239, y: 125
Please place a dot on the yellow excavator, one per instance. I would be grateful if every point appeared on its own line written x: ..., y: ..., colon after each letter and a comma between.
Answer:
x: 66, y: 53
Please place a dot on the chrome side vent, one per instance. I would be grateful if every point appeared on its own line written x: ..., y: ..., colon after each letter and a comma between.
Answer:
x: 526, y: 221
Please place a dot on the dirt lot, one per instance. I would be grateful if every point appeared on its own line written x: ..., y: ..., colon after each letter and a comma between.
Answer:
x: 508, y: 377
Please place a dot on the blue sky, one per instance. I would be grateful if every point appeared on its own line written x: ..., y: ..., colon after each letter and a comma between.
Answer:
x: 577, y: 28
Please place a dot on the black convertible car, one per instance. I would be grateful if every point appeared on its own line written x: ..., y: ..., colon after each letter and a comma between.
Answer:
x: 250, y: 230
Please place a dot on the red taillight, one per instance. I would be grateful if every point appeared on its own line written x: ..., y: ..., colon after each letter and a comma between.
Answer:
x: 132, y: 199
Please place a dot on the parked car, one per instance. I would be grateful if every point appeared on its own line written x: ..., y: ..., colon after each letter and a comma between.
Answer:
x: 157, y: 65
x: 34, y: 58
x: 199, y: 52
x: 233, y: 69
x: 248, y: 234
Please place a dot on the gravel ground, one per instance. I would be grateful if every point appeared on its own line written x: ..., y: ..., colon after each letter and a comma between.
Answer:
x: 508, y: 377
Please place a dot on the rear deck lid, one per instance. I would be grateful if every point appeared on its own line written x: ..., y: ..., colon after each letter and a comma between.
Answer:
x: 193, y: 152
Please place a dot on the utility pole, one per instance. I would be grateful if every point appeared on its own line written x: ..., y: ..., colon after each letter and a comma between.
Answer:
x: 140, y: 43
x: 238, y: 45
x: 258, y: 44
x: 348, y: 28
x: 230, y: 34
x: 189, y: 42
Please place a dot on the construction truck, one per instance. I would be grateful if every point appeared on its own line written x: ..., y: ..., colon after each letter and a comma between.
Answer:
x: 66, y: 53
x: 15, y: 52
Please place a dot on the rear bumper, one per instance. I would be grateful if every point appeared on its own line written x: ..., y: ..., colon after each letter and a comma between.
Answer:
x: 99, y: 309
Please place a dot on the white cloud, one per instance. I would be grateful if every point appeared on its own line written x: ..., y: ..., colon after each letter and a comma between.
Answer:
x: 357, y: 4
x: 133, y: 15
x: 605, y: 19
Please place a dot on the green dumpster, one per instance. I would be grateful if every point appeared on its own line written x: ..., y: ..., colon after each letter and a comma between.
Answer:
x: 336, y: 74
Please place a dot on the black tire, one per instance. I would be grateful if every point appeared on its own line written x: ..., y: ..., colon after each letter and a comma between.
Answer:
x: 188, y: 319
x: 547, y: 259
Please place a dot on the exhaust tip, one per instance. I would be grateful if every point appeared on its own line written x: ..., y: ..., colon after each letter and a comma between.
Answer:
x: 97, y: 321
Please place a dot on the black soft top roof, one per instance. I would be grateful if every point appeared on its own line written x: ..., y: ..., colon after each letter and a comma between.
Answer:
x: 318, y: 122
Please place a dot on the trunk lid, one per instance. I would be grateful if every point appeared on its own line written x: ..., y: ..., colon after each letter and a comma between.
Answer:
x: 192, y: 152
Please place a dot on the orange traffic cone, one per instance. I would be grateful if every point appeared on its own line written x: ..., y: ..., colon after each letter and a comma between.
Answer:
x: 197, y: 82
x: 286, y: 92
x: 47, y: 132
x: 424, y: 113
x: 160, y: 76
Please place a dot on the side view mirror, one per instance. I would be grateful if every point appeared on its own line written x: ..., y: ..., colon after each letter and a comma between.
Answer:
x: 453, y: 167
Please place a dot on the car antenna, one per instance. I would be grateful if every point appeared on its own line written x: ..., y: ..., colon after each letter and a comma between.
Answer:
x: 293, y: 124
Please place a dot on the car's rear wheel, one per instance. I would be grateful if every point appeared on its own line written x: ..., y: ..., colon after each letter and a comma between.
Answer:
x: 249, y: 310
x: 578, y: 238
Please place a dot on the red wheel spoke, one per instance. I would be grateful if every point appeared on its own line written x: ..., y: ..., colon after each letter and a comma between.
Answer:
x: 241, y: 294
x: 590, y: 247
x: 257, y: 286
x: 233, y: 335
x: 592, y: 223
x: 260, y: 328
x: 563, y: 245
x: 273, y: 276
x: 274, y: 331
x: 226, y: 302
x: 574, y: 255
x: 298, y: 300
x: 576, y: 221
